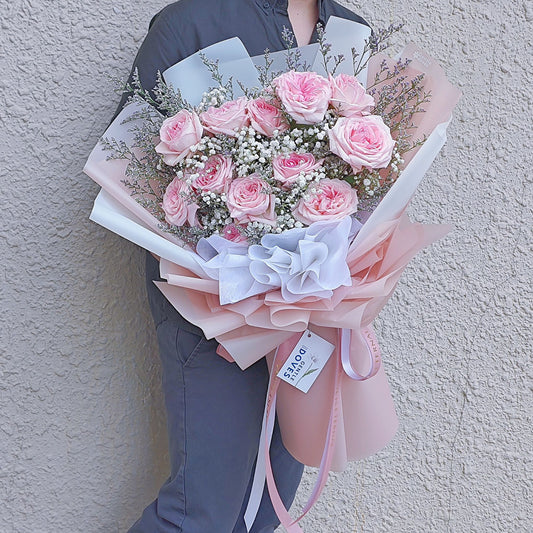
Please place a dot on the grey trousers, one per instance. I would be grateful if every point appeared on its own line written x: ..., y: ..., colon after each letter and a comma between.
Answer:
x: 214, y: 414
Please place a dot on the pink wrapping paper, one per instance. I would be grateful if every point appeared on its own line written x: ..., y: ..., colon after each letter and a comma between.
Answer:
x: 254, y: 327
x: 367, y: 416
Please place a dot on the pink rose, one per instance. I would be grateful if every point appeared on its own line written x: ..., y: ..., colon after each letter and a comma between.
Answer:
x: 177, y: 135
x: 266, y: 118
x: 232, y: 233
x: 249, y: 199
x: 227, y: 119
x: 362, y: 141
x: 349, y: 97
x: 215, y: 176
x: 287, y: 168
x: 305, y: 95
x: 334, y: 199
x: 177, y: 207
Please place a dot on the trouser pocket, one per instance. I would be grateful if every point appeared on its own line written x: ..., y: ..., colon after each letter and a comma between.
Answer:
x: 188, y: 345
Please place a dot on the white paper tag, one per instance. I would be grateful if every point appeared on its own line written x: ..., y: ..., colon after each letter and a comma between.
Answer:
x: 306, y: 361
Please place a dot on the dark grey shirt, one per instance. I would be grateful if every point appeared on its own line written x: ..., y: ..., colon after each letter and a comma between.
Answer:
x: 183, y: 28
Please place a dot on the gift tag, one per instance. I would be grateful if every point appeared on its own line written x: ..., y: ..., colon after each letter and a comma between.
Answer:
x: 306, y: 361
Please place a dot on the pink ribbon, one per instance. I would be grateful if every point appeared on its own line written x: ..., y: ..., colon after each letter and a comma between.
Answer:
x: 264, y: 466
x: 374, y: 353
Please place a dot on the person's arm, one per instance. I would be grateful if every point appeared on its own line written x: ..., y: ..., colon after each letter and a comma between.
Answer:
x: 160, y: 49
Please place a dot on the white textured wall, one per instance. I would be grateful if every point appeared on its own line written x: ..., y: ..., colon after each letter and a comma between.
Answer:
x: 82, y: 438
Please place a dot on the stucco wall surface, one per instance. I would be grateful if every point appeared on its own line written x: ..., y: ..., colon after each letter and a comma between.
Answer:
x: 82, y: 430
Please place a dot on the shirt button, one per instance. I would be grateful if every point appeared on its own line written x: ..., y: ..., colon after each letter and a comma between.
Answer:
x: 266, y: 5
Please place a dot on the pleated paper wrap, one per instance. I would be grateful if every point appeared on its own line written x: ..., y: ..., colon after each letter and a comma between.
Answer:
x: 254, y: 327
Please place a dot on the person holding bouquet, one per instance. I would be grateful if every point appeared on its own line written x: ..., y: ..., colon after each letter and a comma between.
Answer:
x: 214, y: 409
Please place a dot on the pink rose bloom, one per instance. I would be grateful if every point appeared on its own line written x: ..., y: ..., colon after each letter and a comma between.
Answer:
x: 349, y: 97
x: 266, y: 118
x: 177, y: 135
x: 287, y: 168
x: 178, y: 209
x: 362, y: 141
x: 305, y: 95
x: 215, y: 176
x: 333, y: 200
x: 231, y: 233
x: 249, y: 199
x: 228, y: 118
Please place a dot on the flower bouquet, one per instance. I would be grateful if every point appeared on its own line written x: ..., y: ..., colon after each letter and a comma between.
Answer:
x: 276, y: 200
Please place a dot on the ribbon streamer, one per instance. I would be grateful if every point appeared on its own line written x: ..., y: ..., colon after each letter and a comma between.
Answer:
x: 263, y: 468
x: 374, y: 353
